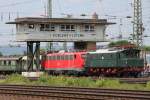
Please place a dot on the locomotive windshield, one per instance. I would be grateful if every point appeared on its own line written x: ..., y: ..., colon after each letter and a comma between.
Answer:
x: 132, y: 53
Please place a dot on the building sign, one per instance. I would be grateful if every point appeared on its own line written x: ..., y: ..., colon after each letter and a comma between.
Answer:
x: 67, y: 35
x: 59, y: 37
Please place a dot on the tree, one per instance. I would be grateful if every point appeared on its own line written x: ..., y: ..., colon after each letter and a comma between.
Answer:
x: 1, y: 54
x: 119, y: 43
x: 146, y: 48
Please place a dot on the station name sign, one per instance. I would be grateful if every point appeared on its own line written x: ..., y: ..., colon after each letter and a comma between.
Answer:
x: 66, y: 35
x: 58, y: 37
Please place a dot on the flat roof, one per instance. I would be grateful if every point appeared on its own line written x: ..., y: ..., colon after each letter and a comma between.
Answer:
x: 38, y: 20
x: 106, y: 51
x: 56, y: 40
x: 9, y: 58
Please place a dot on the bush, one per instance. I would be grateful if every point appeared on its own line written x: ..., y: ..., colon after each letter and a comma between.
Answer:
x: 16, y: 79
x: 148, y: 85
x: 108, y: 83
x: 99, y: 83
x: 74, y: 82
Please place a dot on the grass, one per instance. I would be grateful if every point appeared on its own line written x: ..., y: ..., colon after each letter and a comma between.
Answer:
x: 74, y: 82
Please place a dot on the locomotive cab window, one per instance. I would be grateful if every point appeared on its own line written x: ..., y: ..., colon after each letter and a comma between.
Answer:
x: 131, y: 53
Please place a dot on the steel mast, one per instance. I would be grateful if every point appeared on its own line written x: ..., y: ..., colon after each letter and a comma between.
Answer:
x: 49, y: 8
x: 49, y: 15
x: 138, y: 24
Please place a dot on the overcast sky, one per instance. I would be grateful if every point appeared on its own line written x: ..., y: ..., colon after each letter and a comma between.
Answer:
x: 10, y: 9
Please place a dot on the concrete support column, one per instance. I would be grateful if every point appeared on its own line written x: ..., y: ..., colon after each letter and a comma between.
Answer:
x: 30, y: 56
x: 37, y: 56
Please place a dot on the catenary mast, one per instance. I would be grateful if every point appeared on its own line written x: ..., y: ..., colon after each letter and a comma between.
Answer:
x: 49, y: 8
x: 49, y: 15
x: 138, y: 24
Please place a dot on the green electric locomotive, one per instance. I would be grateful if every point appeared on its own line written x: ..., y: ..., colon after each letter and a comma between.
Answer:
x: 114, y: 62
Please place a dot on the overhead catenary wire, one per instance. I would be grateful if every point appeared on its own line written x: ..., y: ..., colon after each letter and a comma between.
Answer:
x: 17, y: 3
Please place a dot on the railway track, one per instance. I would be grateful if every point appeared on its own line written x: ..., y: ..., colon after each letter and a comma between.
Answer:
x: 23, y: 92
x: 134, y: 80
x: 143, y: 80
x: 122, y: 80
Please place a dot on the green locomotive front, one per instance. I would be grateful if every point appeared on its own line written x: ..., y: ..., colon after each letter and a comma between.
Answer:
x: 114, y: 62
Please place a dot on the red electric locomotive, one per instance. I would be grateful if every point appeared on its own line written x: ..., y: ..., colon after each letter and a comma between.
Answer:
x: 64, y: 63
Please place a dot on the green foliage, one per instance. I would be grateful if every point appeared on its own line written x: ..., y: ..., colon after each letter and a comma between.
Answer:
x: 146, y: 48
x: 111, y: 83
x: 1, y: 54
x: 148, y: 85
x: 100, y: 83
x: 15, y: 79
x: 74, y: 82
x: 119, y: 43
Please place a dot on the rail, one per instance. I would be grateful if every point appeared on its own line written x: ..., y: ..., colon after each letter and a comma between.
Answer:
x: 72, y: 93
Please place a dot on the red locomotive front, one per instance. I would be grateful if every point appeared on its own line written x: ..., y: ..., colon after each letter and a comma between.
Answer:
x: 64, y: 61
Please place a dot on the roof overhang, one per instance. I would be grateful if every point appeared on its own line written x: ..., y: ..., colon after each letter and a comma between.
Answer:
x: 36, y: 20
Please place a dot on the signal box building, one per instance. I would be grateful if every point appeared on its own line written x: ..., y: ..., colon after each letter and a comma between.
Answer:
x: 83, y: 32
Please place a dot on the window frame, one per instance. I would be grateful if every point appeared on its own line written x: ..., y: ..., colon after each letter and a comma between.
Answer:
x: 47, y: 27
x: 89, y: 28
x: 68, y: 27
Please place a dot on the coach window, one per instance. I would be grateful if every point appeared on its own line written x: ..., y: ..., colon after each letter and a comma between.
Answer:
x: 53, y: 57
x: 9, y: 62
x: 50, y: 57
x: 66, y: 57
x: 71, y: 57
x: 58, y: 57
x: 75, y: 56
x: 47, y: 57
x: 4, y: 62
x: 63, y: 57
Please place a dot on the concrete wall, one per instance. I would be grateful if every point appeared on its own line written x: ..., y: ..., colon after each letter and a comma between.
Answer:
x: 24, y: 33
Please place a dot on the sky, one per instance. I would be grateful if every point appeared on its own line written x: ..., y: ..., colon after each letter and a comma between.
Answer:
x: 113, y: 10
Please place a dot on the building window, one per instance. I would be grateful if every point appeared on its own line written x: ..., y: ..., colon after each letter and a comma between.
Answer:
x: 31, y: 26
x: 67, y: 27
x: 89, y: 28
x: 47, y: 27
